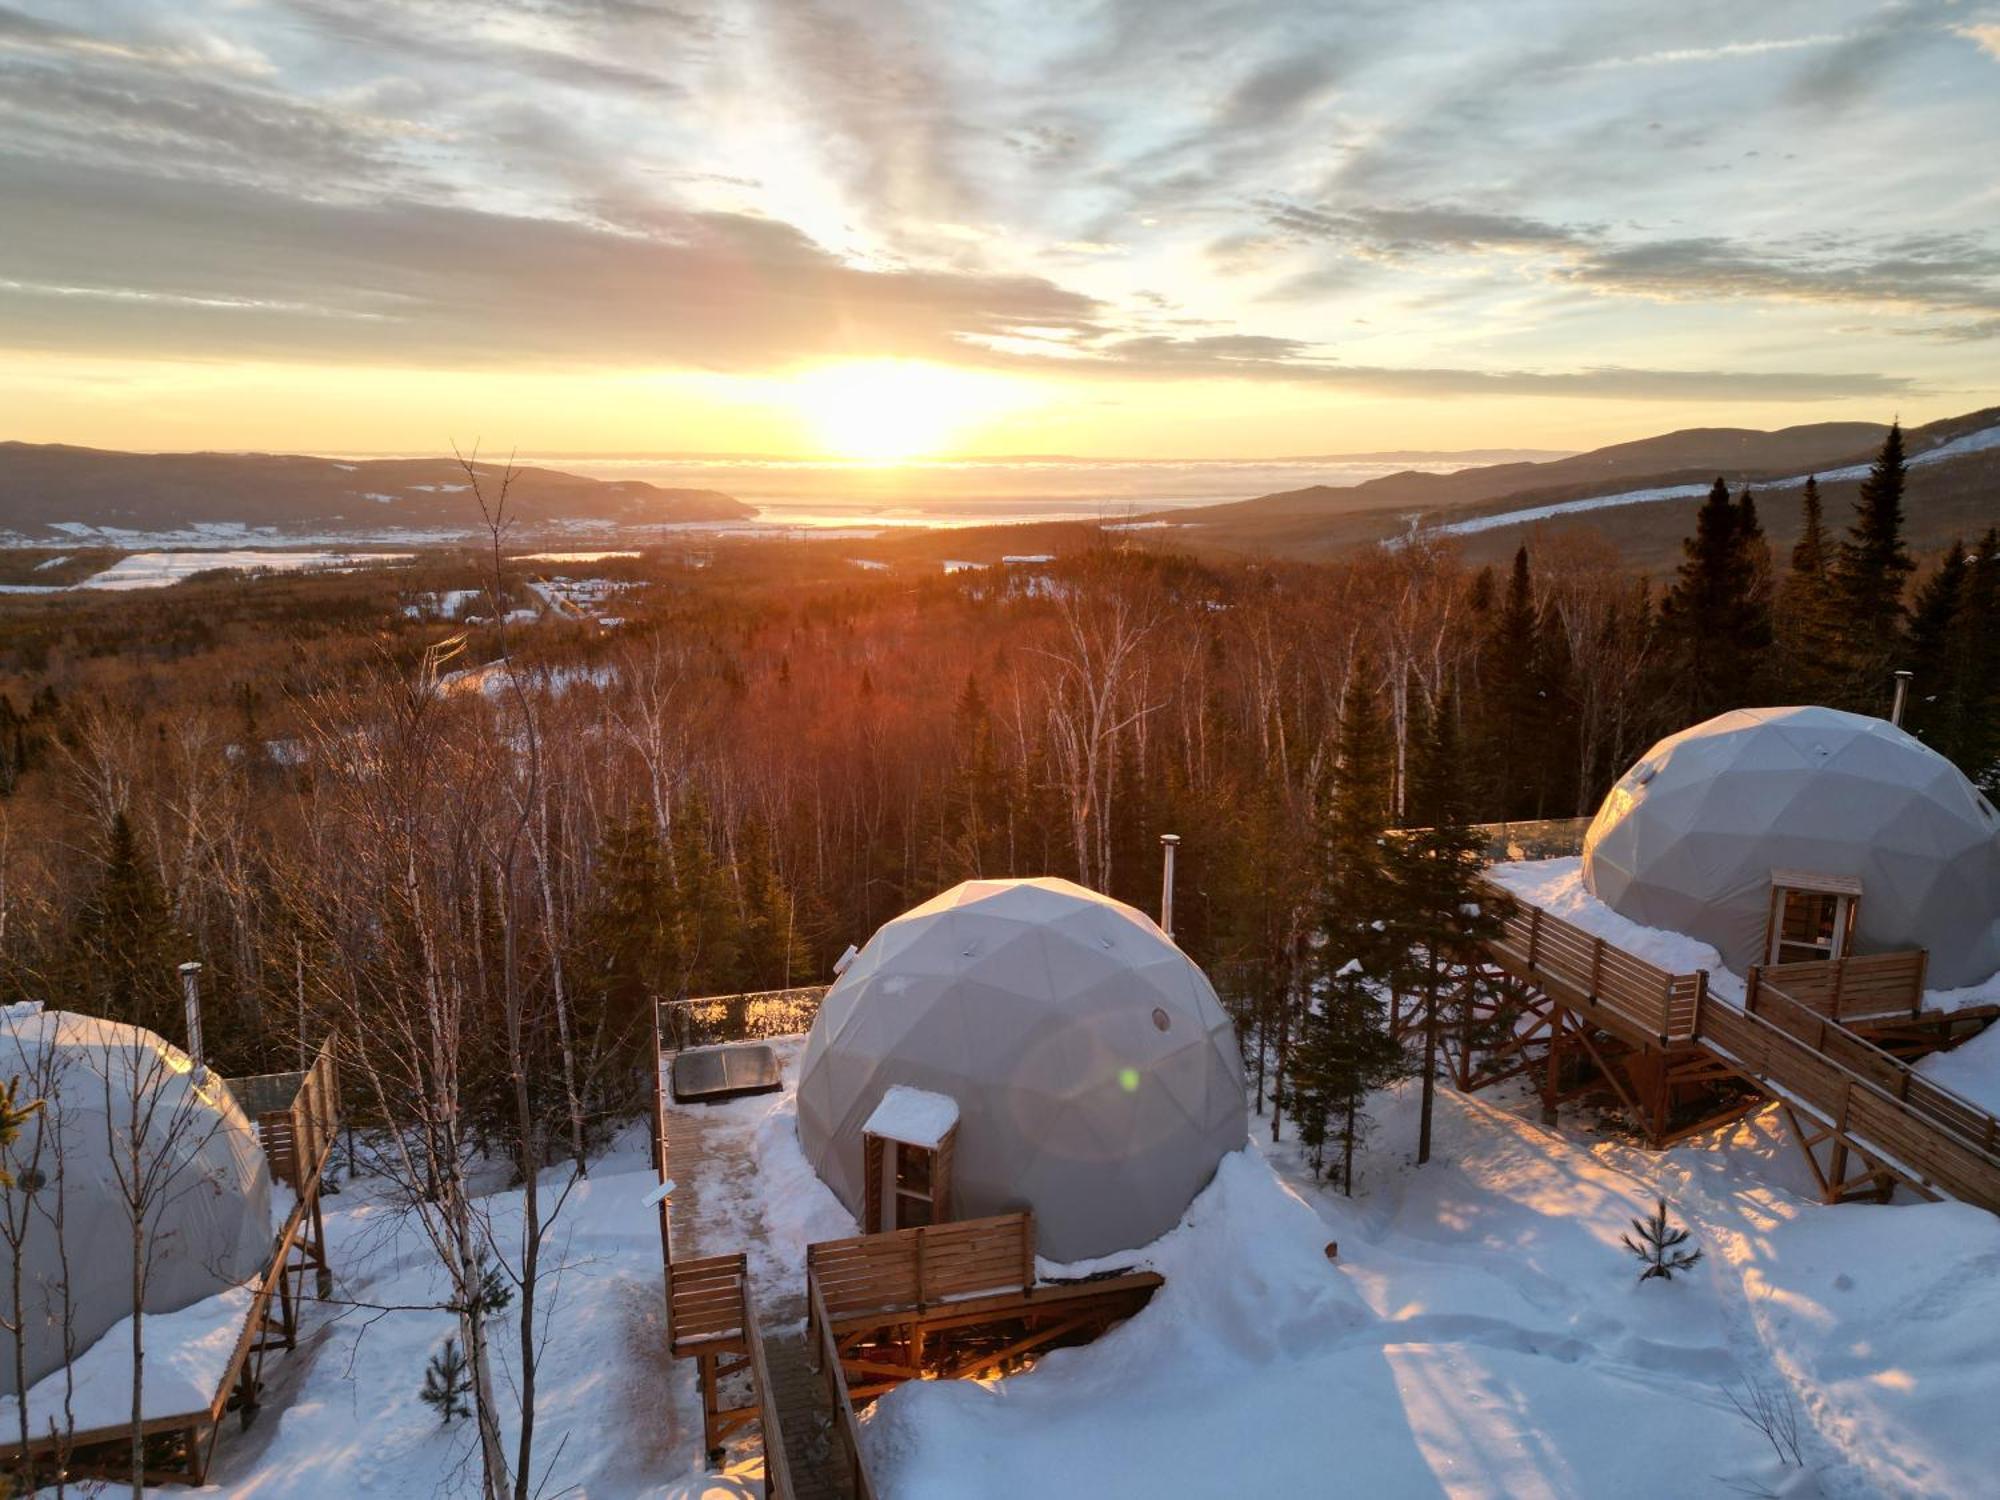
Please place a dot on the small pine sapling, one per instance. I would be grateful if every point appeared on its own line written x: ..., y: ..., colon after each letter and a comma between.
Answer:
x: 1658, y: 1246
x: 447, y: 1383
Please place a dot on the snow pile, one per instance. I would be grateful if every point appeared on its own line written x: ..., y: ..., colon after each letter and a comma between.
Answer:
x: 916, y: 1117
x: 1971, y: 1070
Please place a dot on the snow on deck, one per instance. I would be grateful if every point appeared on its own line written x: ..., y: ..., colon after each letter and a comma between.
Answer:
x: 187, y: 1354
x: 1557, y: 887
x: 913, y: 1117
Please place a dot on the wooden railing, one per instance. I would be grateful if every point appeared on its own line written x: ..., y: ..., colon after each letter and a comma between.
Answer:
x: 296, y: 1114
x: 827, y: 1351
x: 913, y: 1269
x: 712, y: 1315
x: 777, y: 1463
x: 1642, y: 995
x: 1907, y: 1139
x: 1943, y: 1108
x: 705, y: 1303
x: 1864, y: 987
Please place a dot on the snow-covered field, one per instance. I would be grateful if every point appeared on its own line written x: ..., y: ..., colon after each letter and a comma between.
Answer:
x: 152, y: 570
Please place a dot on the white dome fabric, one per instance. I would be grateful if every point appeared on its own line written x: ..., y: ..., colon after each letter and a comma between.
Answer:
x: 1097, y: 1076
x: 1687, y: 840
x: 210, y: 1225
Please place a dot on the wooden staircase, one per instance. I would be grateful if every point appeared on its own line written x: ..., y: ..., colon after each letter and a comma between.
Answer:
x: 1865, y: 1117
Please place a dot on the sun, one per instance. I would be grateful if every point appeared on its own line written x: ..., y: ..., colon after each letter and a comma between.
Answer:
x: 888, y: 411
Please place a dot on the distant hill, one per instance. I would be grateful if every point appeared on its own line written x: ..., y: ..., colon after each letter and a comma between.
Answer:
x: 51, y: 492
x: 1949, y: 496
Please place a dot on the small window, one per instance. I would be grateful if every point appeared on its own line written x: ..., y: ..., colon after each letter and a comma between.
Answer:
x: 1812, y: 917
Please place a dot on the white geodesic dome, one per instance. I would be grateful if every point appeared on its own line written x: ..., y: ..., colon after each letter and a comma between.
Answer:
x: 210, y: 1224
x: 1097, y: 1076
x: 1689, y: 837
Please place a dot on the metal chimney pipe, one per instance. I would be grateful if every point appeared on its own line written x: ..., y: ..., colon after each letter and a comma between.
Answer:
x: 1168, y: 843
x: 191, y: 994
x: 1903, y: 677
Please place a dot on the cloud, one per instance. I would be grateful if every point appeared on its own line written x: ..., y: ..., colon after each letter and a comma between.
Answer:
x: 1985, y: 35
x: 1396, y: 232
x: 1938, y: 272
x: 1237, y: 356
x: 409, y: 282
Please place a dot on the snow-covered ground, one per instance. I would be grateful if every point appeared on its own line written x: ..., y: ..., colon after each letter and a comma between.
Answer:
x: 1481, y: 1332
x: 152, y: 570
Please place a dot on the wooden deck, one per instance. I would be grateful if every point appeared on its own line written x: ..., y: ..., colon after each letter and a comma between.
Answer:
x: 792, y: 1417
x: 297, y: 1117
x: 1867, y: 1119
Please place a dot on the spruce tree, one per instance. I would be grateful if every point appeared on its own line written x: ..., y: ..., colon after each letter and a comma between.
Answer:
x: 1869, y: 577
x: 1658, y: 1246
x: 1717, y: 614
x: 1345, y: 1046
x: 447, y: 1383
x: 1935, y: 711
x: 1442, y: 911
x: 124, y: 952
x: 1803, y: 613
x: 1517, y: 710
x: 1972, y: 650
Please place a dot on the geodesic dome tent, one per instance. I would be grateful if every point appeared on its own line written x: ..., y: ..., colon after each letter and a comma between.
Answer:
x: 210, y: 1224
x: 1096, y: 1075
x: 1701, y: 831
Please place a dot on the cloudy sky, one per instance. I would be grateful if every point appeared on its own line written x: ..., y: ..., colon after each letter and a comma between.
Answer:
x: 1171, y: 228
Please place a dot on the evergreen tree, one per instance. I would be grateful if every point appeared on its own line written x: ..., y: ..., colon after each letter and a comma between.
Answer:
x: 1803, y: 616
x: 1936, y: 709
x: 627, y: 937
x: 1971, y: 651
x: 1717, y: 614
x: 124, y: 953
x: 1516, y: 713
x: 1442, y: 912
x: 1869, y: 576
x: 447, y: 1386
x: 1346, y: 1046
x: 1658, y: 1246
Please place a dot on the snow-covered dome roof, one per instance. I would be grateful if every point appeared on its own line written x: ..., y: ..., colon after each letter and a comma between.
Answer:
x: 1097, y: 1076
x: 209, y: 1226
x: 1689, y: 837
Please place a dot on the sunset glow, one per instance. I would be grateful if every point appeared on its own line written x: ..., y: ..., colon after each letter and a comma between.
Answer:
x: 885, y: 411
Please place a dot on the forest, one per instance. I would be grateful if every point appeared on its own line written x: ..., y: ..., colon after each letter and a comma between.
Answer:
x: 295, y: 782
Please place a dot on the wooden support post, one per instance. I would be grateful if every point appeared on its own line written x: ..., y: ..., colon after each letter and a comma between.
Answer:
x: 1552, y: 1083
x: 1923, y: 972
x: 1596, y: 962
x: 1534, y: 936
x: 1753, y: 985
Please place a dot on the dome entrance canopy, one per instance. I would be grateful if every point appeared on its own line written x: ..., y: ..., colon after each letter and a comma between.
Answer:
x: 1713, y: 826
x: 1096, y: 1076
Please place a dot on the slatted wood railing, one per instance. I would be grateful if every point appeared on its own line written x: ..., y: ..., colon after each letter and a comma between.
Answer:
x: 1642, y: 995
x: 1973, y: 1125
x: 296, y: 1114
x: 1790, y: 1045
x: 914, y: 1269
x: 826, y: 1349
x: 705, y: 1303
x: 1876, y: 1120
x: 1867, y: 986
